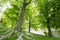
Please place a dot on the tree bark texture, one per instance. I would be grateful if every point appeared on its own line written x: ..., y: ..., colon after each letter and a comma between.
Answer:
x: 19, y: 26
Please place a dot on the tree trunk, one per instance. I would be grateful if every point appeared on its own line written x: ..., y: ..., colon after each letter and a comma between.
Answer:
x: 19, y: 26
x: 29, y: 25
x: 48, y: 26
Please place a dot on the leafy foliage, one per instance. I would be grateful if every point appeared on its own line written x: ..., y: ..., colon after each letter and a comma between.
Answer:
x: 37, y: 13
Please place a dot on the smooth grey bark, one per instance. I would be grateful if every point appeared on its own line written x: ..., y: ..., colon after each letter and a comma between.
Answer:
x: 19, y: 26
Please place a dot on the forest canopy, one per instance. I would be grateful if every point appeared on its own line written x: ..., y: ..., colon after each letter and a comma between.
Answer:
x: 17, y: 16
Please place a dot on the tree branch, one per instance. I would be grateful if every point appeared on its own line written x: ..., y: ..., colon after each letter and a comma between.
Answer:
x: 28, y: 2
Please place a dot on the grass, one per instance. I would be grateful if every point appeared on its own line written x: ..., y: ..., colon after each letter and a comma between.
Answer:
x: 31, y: 36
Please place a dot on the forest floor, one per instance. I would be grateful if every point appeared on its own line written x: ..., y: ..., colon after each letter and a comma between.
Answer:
x: 31, y: 36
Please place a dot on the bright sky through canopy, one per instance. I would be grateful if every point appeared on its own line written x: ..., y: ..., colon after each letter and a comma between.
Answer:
x: 3, y: 8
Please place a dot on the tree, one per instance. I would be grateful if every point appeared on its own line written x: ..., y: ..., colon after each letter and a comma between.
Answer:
x: 45, y: 14
x: 19, y: 27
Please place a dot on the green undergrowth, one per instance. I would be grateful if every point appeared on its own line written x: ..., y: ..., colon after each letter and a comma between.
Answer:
x: 13, y: 37
x: 31, y: 36
x: 4, y: 30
